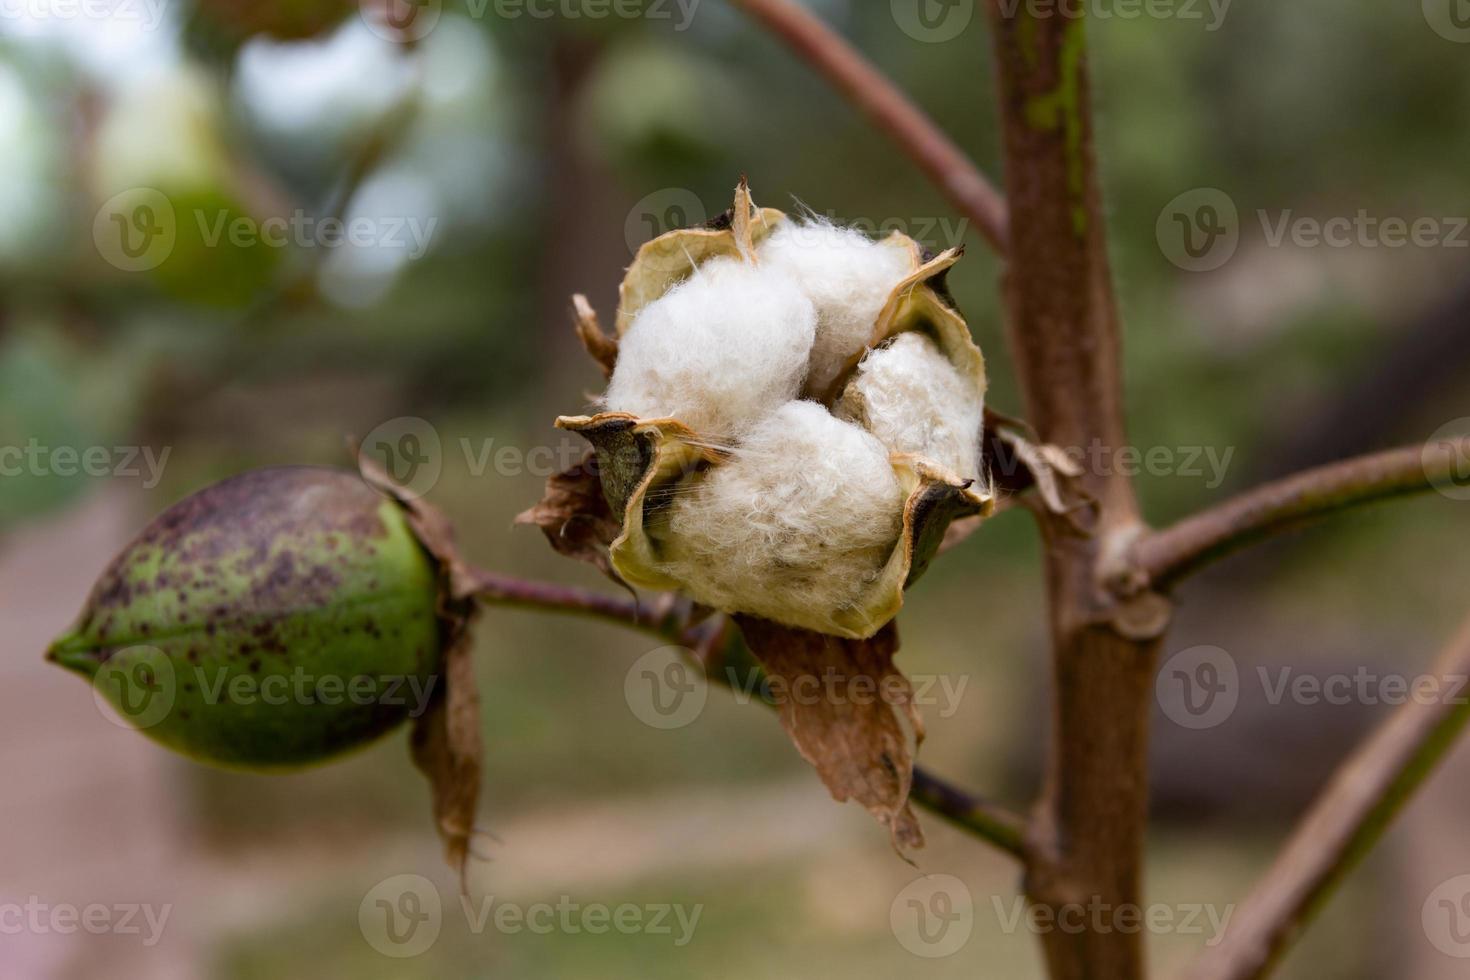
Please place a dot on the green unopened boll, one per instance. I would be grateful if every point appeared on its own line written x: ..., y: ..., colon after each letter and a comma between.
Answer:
x: 276, y: 619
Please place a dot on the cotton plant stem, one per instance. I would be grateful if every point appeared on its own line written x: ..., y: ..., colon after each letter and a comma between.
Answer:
x: 1085, y: 838
x: 669, y: 619
x: 1166, y: 556
x: 1355, y: 809
x: 890, y: 110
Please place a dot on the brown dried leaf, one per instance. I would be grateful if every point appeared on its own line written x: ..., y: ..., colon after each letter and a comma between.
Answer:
x: 1054, y: 472
x: 575, y: 515
x: 446, y: 749
x: 1017, y: 463
x: 855, y: 738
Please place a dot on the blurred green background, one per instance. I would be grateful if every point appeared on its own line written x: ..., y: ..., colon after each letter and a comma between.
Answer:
x: 531, y: 154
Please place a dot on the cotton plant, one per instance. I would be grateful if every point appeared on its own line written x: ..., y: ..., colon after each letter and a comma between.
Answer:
x: 792, y: 419
x: 791, y: 422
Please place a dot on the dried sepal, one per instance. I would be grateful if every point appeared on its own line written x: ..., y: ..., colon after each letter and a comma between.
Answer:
x: 644, y: 462
x: 446, y: 742
x: 575, y: 516
x: 861, y: 730
x: 664, y: 262
x: 1054, y: 474
x: 600, y: 346
x: 447, y: 748
x: 641, y: 462
x: 1018, y: 463
x: 915, y: 304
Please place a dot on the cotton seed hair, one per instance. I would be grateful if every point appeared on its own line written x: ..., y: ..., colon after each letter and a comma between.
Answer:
x: 717, y: 352
x: 847, y: 276
x: 914, y: 400
x: 805, y: 512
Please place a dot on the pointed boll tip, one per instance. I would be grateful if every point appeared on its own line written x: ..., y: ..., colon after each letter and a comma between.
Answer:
x: 72, y: 651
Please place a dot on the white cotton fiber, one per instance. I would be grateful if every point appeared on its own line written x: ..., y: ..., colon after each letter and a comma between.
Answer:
x: 849, y: 278
x: 798, y: 523
x: 914, y: 400
x: 717, y: 352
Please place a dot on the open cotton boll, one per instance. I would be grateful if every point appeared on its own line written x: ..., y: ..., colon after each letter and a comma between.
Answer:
x: 915, y: 400
x: 847, y: 275
x: 799, y: 522
x: 717, y: 352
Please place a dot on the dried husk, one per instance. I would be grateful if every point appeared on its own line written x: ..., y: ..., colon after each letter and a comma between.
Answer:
x: 641, y: 462
x: 664, y: 262
x: 864, y: 753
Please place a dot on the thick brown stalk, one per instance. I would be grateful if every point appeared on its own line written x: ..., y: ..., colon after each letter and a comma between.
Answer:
x: 905, y: 123
x: 1086, y: 836
x: 1351, y: 814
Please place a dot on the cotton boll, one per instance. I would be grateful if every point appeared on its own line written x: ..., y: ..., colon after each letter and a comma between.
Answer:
x: 848, y: 276
x: 915, y: 400
x: 798, y: 523
x: 717, y: 352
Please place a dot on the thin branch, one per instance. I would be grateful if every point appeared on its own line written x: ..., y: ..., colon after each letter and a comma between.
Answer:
x: 507, y: 590
x: 1365, y: 794
x: 669, y: 618
x: 985, y: 819
x: 1166, y: 556
x: 905, y: 123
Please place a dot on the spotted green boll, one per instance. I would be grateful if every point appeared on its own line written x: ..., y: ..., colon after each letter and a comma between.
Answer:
x: 279, y: 618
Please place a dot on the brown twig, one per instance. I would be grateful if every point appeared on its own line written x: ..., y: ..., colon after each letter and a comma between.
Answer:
x: 669, y: 618
x: 1365, y: 794
x: 1164, y: 557
x: 867, y: 88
